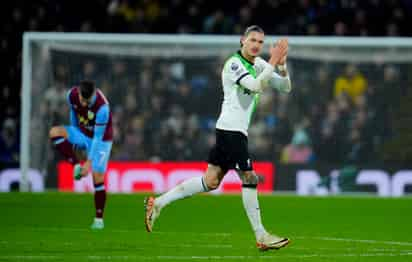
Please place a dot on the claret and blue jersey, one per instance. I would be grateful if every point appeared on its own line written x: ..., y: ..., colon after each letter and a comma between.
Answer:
x: 91, y: 128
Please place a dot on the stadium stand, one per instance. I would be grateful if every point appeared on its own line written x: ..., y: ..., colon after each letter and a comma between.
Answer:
x: 354, y: 123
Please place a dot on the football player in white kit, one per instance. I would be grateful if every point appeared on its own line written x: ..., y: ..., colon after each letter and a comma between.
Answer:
x: 244, y: 77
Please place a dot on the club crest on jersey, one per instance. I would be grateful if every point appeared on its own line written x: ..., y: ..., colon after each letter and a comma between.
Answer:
x: 82, y: 120
x: 90, y: 115
x: 234, y: 66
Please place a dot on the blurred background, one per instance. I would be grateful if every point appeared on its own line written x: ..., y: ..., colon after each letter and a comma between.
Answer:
x: 348, y: 111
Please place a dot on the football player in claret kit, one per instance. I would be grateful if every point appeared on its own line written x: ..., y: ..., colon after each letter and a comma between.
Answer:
x: 244, y: 77
x: 90, y: 130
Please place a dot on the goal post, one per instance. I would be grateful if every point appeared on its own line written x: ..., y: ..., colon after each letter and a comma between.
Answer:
x: 199, y: 54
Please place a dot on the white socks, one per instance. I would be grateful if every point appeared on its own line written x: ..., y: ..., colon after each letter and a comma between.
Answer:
x: 98, y: 220
x: 196, y: 185
x: 185, y: 189
x: 251, y: 205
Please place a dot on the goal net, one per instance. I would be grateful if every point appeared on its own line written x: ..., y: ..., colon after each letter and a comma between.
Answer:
x: 165, y: 95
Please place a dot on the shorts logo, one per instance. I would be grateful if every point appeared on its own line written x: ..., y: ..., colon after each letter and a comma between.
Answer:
x: 234, y: 66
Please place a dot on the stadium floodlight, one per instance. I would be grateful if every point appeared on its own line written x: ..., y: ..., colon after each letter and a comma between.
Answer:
x: 44, y: 52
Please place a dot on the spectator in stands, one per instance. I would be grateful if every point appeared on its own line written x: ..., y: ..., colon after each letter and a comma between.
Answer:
x: 282, y: 132
x: 217, y: 23
x: 184, y: 97
x: 328, y: 147
x: 121, y: 83
x: 9, y: 142
x: 299, y: 150
x: 357, y: 147
x: 5, y: 102
x: 344, y: 107
x: 352, y: 82
x: 55, y: 97
x: 340, y: 29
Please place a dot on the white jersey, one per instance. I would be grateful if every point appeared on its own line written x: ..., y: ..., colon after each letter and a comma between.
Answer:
x: 239, y: 103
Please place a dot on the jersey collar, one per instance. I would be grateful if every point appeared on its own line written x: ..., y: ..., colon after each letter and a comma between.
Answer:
x: 243, y: 58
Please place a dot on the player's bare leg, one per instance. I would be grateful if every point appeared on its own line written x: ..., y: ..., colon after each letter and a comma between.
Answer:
x: 58, y: 135
x: 99, y: 200
x: 209, y: 181
x: 264, y: 240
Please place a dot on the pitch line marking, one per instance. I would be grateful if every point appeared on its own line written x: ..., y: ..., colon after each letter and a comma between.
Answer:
x: 225, y: 234
x: 370, y: 241
x: 225, y: 246
x: 219, y: 234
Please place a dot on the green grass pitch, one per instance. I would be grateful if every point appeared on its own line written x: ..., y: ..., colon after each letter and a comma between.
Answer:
x: 55, y: 227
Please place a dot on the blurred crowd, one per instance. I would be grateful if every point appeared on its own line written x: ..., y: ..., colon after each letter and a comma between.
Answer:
x: 165, y: 109
x: 171, y: 117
